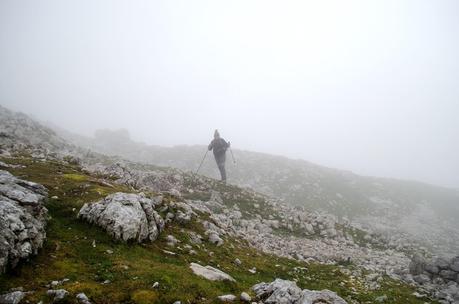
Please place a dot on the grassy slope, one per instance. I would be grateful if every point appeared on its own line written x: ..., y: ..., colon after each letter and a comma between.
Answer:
x: 133, y: 268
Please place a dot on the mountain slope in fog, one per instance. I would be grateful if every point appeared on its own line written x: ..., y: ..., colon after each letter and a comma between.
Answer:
x: 428, y: 212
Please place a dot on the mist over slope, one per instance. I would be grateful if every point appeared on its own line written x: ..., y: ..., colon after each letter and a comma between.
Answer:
x: 429, y: 213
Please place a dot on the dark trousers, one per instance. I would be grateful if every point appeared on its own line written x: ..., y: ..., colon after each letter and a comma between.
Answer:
x: 220, y: 159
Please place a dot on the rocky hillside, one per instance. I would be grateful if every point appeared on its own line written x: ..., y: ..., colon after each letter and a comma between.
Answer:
x: 125, y: 231
x: 112, y: 238
x: 427, y: 213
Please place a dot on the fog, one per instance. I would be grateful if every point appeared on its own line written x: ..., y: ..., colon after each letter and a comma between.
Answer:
x: 368, y: 86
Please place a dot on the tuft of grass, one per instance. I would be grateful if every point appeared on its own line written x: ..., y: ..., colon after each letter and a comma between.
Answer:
x: 75, y: 177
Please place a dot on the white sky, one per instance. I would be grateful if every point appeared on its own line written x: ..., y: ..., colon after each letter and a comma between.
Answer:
x: 370, y: 86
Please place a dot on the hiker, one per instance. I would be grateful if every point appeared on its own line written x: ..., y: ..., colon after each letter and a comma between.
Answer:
x: 219, y: 147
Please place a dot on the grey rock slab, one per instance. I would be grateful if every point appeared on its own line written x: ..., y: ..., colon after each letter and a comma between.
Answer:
x: 323, y: 296
x: 210, y: 273
x: 227, y: 298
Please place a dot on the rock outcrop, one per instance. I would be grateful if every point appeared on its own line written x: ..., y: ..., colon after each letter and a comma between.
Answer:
x: 126, y: 216
x: 22, y: 219
x: 287, y: 292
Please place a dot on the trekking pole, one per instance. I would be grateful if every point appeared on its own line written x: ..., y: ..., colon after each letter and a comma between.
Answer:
x: 232, y: 155
x: 202, y: 161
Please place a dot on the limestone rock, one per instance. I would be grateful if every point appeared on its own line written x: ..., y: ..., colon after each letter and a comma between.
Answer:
x: 287, y: 292
x: 245, y: 297
x: 82, y: 298
x: 22, y: 219
x: 210, y: 273
x: 12, y: 298
x: 278, y: 291
x: 324, y: 296
x: 214, y: 238
x: 58, y: 294
x: 125, y: 216
x: 227, y: 298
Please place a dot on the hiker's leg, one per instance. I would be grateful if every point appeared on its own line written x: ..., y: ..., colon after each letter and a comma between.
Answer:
x: 221, y: 167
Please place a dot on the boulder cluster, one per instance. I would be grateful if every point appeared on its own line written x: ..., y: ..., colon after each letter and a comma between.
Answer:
x: 22, y: 219
x: 287, y: 292
x: 439, y: 277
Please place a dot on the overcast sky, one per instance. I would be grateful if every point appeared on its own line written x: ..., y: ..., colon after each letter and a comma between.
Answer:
x: 369, y: 86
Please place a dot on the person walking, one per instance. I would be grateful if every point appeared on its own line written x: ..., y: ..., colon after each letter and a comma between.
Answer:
x: 219, y: 146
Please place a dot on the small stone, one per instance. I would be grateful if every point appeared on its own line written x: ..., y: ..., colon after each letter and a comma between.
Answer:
x: 214, y: 238
x: 155, y: 285
x: 171, y: 240
x: 54, y: 283
x: 253, y: 270
x: 227, y: 298
x: 421, y: 278
x: 237, y: 262
x: 82, y: 298
x: 109, y: 251
x: 174, y: 192
x: 58, y: 294
x: 381, y: 299
x: 245, y: 297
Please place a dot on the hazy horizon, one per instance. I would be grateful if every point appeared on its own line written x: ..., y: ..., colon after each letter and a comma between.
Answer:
x: 360, y: 86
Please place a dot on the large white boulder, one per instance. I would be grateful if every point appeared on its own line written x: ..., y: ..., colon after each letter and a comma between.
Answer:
x: 22, y: 219
x: 125, y: 216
